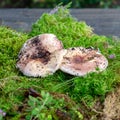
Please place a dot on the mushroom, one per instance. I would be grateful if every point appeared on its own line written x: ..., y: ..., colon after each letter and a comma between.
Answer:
x: 40, y: 56
x: 47, y: 41
x: 80, y: 61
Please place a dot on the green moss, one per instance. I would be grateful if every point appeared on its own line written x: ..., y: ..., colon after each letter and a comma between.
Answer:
x: 10, y: 44
x: 62, y: 24
x: 13, y: 83
x: 75, y: 33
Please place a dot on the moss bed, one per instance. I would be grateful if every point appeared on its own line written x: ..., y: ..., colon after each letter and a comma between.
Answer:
x: 59, y: 96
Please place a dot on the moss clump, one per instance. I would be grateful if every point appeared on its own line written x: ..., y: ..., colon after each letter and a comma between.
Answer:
x: 62, y: 24
x: 13, y: 84
x: 75, y: 33
x: 10, y: 44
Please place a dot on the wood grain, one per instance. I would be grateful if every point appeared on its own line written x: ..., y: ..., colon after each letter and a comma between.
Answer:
x: 104, y: 21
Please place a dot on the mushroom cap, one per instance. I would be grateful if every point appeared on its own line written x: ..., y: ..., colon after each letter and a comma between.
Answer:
x: 79, y: 61
x: 40, y: 56
x: 47, y: 41
x: 42, y: 66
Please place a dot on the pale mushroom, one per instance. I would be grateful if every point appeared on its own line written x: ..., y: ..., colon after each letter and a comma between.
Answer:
x: 40, y: 56
x: 47, y: 41
x: 80, y: 61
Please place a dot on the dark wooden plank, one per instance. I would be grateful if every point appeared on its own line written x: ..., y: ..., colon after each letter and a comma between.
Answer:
x: 104, y: 21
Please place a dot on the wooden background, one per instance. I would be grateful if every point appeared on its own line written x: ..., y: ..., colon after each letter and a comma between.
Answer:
x: 104, y: 21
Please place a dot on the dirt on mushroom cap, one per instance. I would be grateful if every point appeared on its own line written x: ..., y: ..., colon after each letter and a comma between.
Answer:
x: 79, y: 61
x: 48, y: 41
x: 39, y: 56
x: 37, y: 68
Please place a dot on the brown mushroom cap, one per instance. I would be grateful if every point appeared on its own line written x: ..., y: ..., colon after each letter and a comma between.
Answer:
x: 40, y: 56
x: 79, y: 61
